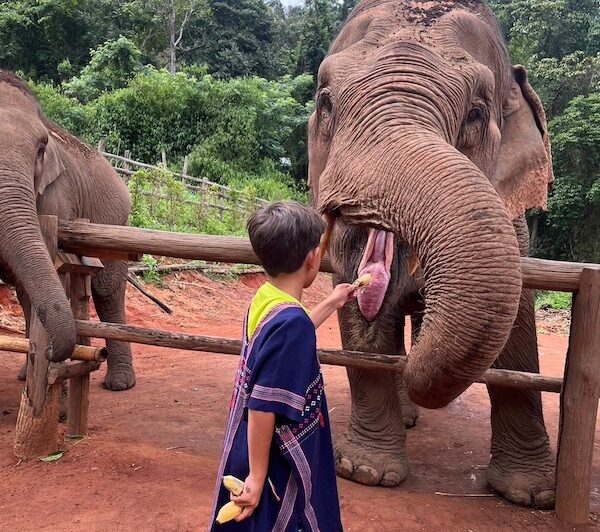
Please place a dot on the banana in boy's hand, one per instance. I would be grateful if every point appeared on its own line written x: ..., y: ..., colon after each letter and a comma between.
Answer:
x: 363, y: 281
x: 230, y: 510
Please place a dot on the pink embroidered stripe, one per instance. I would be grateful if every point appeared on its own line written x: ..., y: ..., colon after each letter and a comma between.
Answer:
x: 293, y: 447
x: 278, y: 395
x: 287, y: 506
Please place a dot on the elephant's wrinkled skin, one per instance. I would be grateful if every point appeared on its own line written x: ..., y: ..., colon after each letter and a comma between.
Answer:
x: 424, y: 132
x: 45, y: 170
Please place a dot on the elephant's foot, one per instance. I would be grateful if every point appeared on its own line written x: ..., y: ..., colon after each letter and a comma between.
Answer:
x: 525, y: 482
x: 119, y: 377
x: 357, y: 460
x: 22, y: 375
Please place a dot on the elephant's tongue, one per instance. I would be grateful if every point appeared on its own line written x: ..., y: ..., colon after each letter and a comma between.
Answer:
x: 377, y: 260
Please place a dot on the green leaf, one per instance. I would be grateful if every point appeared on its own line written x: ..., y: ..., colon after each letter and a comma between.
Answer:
x: 52, y: 457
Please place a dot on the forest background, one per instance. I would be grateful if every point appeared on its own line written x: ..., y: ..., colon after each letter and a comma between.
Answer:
x: 230, y: 84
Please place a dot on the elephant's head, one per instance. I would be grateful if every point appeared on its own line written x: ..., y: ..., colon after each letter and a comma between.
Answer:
x: 424, y: 145
x: 30, y: 160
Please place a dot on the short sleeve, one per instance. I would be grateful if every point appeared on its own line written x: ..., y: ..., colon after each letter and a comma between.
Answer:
x: 284, y: 367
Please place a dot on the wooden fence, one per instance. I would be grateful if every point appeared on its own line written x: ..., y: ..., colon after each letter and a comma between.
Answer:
x: 38, y: 417
x: 205, y: 195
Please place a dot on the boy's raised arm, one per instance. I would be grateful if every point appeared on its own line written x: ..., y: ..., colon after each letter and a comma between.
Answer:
x: 341, y: 294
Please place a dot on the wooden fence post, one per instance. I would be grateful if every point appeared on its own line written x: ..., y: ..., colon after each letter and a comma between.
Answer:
x: 126, y: 164
x: 79, y: 387
x: 579, y: 404
x: 36, y: 433
x: 186, y: 163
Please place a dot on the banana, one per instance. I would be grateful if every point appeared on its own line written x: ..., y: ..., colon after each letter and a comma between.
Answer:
x: 233, y: 484
x: 228, y: 512
x: 363, y: 281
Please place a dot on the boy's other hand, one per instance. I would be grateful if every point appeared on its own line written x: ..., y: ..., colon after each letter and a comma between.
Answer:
x: 249, y: 498
x: 341, y: 294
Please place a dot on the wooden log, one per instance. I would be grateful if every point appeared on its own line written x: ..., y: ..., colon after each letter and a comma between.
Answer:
x: 81, y: 352
x: 36, y: 433
x: 58, y: 373
x: 98, y: 240
x: 579, y: 404
x: 229, y: 346
x: 79, y: 386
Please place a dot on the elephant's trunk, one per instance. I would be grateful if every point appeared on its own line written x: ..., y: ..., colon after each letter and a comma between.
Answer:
x: 442, y: 205
x: 23, y: 251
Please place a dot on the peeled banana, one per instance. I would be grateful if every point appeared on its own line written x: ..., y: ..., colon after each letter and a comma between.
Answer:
x: 363, y: 281
x: 233, y: 484
x: 230, y: 510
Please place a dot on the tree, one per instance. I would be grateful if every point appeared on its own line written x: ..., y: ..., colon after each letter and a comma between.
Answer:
x: 319, y: 25
x: 112, y: 65
x: 235, y: 38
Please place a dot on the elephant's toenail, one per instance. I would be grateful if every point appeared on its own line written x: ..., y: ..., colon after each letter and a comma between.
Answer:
x: 366, y: 475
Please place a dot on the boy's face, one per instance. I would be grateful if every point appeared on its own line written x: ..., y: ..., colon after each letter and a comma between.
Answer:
x: 312, y: 265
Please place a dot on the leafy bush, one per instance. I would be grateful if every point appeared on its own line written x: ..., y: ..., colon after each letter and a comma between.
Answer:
x: 65, y: 111
x: 111, y: 66
x: 553, y: 300
x: 161, y: 201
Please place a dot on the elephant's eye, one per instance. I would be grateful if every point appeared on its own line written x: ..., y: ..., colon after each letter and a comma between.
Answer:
x: 324, y: 103
x: 475, y: 114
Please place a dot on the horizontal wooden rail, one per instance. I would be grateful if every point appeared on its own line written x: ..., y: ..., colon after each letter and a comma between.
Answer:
x: 96, y: 240
x: 81, y: 352
x: 335, y: 357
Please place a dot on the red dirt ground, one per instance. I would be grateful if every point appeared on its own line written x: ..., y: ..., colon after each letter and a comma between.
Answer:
x: 151, y: 457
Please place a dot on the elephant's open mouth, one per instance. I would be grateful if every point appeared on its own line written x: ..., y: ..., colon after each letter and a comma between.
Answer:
x: 376, y: 260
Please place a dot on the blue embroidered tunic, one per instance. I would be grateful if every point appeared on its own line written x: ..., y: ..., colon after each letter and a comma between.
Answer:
x: 279, y: 372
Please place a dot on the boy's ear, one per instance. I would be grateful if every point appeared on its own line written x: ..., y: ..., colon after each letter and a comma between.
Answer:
x: 313, y: 257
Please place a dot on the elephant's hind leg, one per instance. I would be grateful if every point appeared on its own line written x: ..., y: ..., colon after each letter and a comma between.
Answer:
x: 108, y: 290
x: 372, y: 451
x: 522, y: 463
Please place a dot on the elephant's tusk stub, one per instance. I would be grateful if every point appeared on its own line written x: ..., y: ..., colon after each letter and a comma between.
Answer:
x: 413, y: 263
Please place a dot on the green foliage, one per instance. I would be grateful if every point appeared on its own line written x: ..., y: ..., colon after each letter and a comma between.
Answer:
x: 236, y: 38
x: 570, y: 228
x: 319, y: 26
x: 112, y: 66
x: 160, y: 201
x: 553, y: 300
x: 67, y: 112
x: 151, y: 274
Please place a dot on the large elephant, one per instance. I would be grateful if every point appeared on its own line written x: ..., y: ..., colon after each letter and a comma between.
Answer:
x: 45, y: 170
x: 425, y: 148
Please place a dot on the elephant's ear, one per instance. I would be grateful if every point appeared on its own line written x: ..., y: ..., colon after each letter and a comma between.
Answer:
x: 48, y: 166
x: 523, y: 171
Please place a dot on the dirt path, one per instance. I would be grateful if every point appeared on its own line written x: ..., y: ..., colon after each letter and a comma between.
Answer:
x: 151, y: 458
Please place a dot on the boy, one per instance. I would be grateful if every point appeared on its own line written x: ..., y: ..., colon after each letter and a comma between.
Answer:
x: 278, y: 438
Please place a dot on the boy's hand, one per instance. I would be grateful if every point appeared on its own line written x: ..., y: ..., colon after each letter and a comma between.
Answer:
x: 249, y: 498
x: 341, y: 294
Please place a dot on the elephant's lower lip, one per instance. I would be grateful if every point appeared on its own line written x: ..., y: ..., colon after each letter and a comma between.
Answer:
x: 376, y: 260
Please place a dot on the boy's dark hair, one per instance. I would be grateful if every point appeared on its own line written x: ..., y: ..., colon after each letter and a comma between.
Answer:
x: 282, y: 234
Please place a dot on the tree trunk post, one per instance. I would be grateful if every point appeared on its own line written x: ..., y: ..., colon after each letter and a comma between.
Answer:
x: 579, y: 404
x: 36, y: 433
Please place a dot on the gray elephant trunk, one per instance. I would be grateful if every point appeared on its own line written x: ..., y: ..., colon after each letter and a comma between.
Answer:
x: 23, y: 251
x: 443, y: 206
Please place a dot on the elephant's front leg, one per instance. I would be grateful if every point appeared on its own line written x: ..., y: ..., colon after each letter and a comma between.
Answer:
x: 522, y: 463
x: 108, y: 290
x: 372, y: 451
